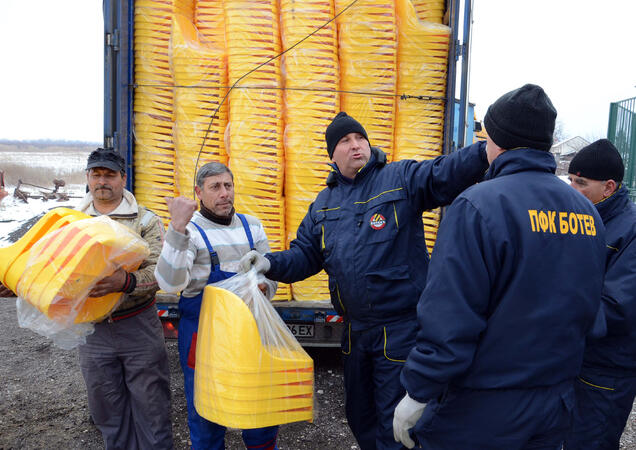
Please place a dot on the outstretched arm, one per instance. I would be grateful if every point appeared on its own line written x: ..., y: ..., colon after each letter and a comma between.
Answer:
x: 437, y: 182
x: 302, y: 260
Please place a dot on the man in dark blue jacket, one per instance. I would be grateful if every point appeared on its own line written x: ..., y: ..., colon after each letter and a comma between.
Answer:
x: 365, y: 229
x: 512, y: 290
x: 606, y: 387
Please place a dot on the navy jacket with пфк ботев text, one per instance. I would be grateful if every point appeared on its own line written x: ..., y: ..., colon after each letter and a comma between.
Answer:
x: 514, y: 286
x: 367, y: 233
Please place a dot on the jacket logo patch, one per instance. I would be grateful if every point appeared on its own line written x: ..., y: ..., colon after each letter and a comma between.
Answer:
x: 377, y: 221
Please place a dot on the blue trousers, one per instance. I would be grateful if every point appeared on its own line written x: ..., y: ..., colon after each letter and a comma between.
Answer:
x: 506, y: 419
x: 373, y: 360
x: 203, y: 433
x: 603, y: 403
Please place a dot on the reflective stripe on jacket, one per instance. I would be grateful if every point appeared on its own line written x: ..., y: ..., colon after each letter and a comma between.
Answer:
x: 367, y: 233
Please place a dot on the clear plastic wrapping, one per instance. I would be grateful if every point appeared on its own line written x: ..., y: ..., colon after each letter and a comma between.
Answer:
x: 250, y: 370
x: 368, y: 51
x: 62, y: 267
x: 200, y: 75
x: 270, y: 129
x: 430, y: 10
x: 419, y: 122
x: 154, y: 157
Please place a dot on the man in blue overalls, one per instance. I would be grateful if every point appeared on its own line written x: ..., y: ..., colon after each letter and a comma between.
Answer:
x: 204, y: 247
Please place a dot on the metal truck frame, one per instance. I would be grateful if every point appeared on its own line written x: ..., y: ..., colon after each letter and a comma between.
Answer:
x: 314, y: 323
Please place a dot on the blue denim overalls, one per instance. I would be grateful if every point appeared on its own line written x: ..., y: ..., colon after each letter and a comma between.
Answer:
x: 203, y: 433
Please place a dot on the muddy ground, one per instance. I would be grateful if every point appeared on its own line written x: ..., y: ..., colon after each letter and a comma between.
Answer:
x: 43, y: 399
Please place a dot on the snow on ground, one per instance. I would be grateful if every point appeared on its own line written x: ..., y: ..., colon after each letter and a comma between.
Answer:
x: 14, y: 212
x: 64, y: 160
x: 49, y: 164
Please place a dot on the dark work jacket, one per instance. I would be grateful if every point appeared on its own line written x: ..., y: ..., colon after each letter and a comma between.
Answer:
x: 617, y: 351
x: 367, y: 233
x: 514, y: 285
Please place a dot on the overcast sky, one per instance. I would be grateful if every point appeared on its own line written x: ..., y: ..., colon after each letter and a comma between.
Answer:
x: 580, y: 51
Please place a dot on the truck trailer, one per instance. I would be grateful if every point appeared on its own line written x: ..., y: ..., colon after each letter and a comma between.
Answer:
x: 161, y: 58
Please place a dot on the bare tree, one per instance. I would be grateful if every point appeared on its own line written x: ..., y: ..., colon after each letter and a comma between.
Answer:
x: 559, y: 132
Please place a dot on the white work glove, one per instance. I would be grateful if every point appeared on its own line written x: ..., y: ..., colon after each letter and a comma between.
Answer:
x: 253, y: 259
x: 406, y: 415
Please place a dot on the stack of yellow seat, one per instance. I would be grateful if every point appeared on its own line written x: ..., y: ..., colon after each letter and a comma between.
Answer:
x: 255, y: 125
x: 311, y: 73
x: 209, y: 19
x: 419, y: 123
x: 239, y: 381
x: 153, y: 102
x: 368, y: 51
x: 271, y: 212
x: 430, y: 10
x: 58, y: 261
x: 201, y: 113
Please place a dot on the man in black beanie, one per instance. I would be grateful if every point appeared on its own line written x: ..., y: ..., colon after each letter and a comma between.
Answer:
x: 596, y: 171
x: 365, y: 229
x: 503, y: 317
x: 606, y: 387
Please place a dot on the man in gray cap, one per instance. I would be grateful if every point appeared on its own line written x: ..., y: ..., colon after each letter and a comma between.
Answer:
x: 606, y: 386
x: 124, y: 362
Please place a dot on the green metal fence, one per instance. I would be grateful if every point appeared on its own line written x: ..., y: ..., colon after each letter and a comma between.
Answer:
x: 622, y: 132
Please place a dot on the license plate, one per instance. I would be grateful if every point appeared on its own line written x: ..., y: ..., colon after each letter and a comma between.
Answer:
x: 301, y: 330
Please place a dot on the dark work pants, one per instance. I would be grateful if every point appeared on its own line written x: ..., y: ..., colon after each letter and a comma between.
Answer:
x: 373, y: 360
x: 125, y: 367
x: 498, y: 419
x: 603, y: 403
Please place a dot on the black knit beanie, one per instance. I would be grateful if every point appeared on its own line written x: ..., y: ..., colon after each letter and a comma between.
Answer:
x: 340, y: 126
x: 598, y: 161
x: 522, y: 118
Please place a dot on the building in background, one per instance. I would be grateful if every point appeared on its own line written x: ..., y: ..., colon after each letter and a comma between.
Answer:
x: 565, y: 150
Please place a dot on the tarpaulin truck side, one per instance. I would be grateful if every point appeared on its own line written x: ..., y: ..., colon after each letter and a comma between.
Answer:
x: 254, y: 85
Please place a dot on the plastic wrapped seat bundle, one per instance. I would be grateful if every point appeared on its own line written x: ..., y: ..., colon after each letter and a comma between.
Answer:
x: 250, y: 370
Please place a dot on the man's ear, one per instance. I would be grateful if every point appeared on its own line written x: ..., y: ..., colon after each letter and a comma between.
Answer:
x: 197, y: 190
x: 609, y: 187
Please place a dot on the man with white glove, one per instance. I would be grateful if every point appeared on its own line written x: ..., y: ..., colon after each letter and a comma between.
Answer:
x: 254, y: 259
x: 498, y: 347
x: 364, y: 229
x: 406, y: 415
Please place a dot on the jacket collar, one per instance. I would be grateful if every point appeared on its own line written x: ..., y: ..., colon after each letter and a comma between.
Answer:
x: 614, y: 204
x: 377, y: 158
x: 521, y: 160
x: 127, y: 208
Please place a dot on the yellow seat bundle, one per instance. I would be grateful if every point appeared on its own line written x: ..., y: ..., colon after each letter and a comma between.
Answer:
x: 241, y: 382
x: 56, y: 264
